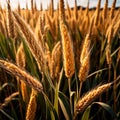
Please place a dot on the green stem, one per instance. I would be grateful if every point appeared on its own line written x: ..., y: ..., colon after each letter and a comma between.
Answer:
x: 81, y: 83
x: 77, y: 88
x: 114, y: 89
x: 69, y: 85
x: 56, y: 98
x: 108, y: 82
x: 8, y: 116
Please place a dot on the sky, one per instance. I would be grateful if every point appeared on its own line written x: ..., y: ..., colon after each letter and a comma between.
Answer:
x: 45, y: 3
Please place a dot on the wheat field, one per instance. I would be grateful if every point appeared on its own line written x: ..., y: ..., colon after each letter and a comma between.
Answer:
x: 60, y: 64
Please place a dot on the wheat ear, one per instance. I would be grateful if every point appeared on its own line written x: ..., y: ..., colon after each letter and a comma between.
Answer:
x: 3, y: 24
x: 35, y: 6
x: 20, y: 61
x: 8, y: 99
x: 20, y: 56
x: 85, y: 48
x: 108, y: 55
x: 87, y: 9
x: 41, y: 7
x: 89, y: 97
x: 52, y: 8
x: 19, y: 10
x: 105, y: 10
x: 112, y: 9
x: 32, y: 7
x: 55, y: 61
x: 116, y: 28
x: 85, y: 54
x: 61, y: 10
x: 97, y: 13
x: 84, y: 68
x: 22, y: 74
x: 1, y: 9
x: 68, y: 10
x: 2, y: 29
x: 67, y: 49
x: 109, y: 34
x: 10, y: 22
x: 34, y: 45
x: 75, y: 11
x: 32, y: 106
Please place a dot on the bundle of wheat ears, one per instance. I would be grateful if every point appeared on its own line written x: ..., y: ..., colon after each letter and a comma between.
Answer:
x: 54, y: 56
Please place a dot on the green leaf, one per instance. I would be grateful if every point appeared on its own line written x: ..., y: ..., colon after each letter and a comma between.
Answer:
x: 3, y: 52
x: 51, y: 112
x: 96, y: 72
x: 50, y: 40
x: 10, y: 47
x: 30, y: 61
x: 6, y: 84
x: 56, y: 99
x: 65, y: 106
x: 8, y: 116
x: 7, y: 47
x: 86, y: 113
x: 107, y: 108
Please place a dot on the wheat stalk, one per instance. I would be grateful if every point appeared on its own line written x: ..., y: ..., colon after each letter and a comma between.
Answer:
x: 8, y: 99
x: 118, y: 56
x: 10, y: 22
x: 24, y: 76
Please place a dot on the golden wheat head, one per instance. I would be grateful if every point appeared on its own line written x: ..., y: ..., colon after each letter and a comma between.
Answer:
x: 20, y: 61
x: 34, y: 45
x: 25, y: 77
x: 89, y: 97
x: 61, y: 10
x: 67, y: 48
x: 10, y: 21
x: 32, y: 106
x: 9, y: 99
x: 55, y: 61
